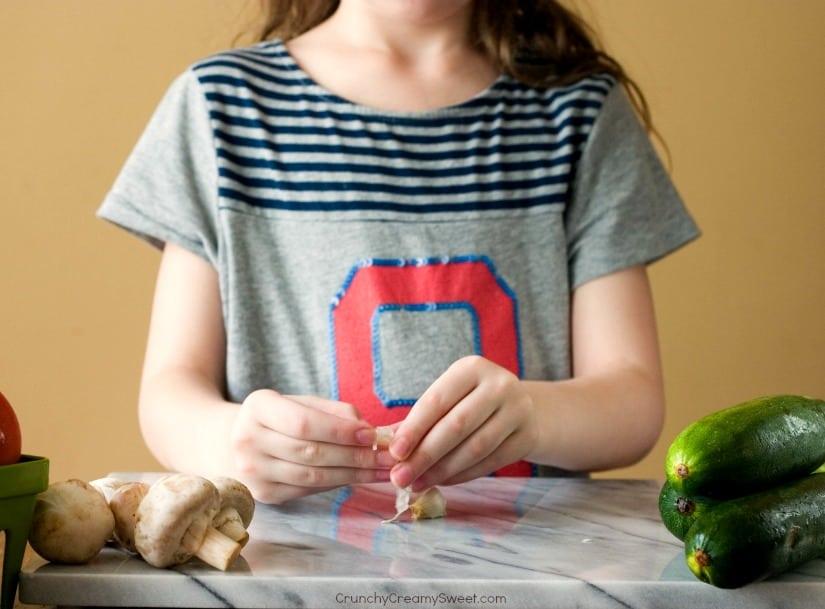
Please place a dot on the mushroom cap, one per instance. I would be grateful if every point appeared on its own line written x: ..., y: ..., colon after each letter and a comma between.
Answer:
x: 172, y: 520
x: 72, y: 522
x: 124, y: 503
x: 234, y: 494
x: 107, y: 485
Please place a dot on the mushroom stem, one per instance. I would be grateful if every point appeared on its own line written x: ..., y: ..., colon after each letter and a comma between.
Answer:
x: 236, y: 509
x: 218, y: 550
x: 229, y: 522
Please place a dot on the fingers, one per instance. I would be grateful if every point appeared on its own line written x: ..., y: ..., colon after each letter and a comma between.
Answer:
x: 464, y: 434
x: 341, y: 409
x: 442, y: 455
x: 473, y: 420
x: 448, y: 411
x: 318, y: 454
x: 437, y: 401
x: 461, y: 465
x: 293, y: 446
x: 275, y: 480
x: 280, y: 481
x: 310, y: 418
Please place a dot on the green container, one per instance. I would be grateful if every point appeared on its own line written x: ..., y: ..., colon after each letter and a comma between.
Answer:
x: 19, y: 485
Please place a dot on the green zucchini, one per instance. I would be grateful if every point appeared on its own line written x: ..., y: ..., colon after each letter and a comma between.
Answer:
x: 748, y: 447
x: 750, y: 538
x: 679, y: 511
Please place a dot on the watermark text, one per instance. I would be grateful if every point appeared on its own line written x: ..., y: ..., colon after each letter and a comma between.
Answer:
x: 441, y: 599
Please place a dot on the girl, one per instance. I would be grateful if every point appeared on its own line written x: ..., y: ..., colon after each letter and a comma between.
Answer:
x: 431, y: 214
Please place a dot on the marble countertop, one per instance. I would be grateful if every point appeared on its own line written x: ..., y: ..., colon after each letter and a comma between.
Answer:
x: 505, y: 543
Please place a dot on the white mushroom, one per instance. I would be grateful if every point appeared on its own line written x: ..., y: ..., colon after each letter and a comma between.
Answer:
x: 174, y: 523
x: 107, y: 486
x: 236, y: 510
x: 72, y: 522
x: 124, y: 504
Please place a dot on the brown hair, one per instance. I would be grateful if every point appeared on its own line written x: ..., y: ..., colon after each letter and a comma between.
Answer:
x: 538, y: 42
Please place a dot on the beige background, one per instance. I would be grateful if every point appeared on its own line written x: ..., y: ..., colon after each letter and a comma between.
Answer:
x: 737, y: 89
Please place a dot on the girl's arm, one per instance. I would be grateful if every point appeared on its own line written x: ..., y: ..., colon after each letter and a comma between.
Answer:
x: 478, y: 417
x: 281, y: 446
x: 610, y: 414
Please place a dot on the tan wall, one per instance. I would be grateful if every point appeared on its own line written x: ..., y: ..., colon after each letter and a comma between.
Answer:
x: 736, y: 88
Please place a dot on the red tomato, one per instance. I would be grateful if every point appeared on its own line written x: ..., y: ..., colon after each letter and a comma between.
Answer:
x: 10, y: 444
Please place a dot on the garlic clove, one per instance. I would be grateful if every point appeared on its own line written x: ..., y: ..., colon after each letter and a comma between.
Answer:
x: 383, y: 437
x: 430, y: 504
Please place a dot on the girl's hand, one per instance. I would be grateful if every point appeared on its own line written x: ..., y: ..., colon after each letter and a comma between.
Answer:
x: 290, y: 446
x: 474, y: 419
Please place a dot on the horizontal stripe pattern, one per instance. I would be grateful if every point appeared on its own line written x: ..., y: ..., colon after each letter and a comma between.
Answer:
x: 283, y: 142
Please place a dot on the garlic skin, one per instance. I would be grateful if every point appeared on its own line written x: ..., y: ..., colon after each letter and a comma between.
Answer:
x: 402, y: 503
x: 402, y: 499
x: 430, y: 504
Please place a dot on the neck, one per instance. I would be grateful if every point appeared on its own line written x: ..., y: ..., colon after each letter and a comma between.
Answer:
x: 414, y: 54
x: 404, y: 32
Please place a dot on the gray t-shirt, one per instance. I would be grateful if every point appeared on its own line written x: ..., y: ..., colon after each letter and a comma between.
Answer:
x: 361, y: 251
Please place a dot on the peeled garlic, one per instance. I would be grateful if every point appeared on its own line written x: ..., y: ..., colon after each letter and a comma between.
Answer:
x: 383, y: 436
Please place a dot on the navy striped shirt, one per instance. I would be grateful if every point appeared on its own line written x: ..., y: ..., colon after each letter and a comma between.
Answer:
x: 284, y: 142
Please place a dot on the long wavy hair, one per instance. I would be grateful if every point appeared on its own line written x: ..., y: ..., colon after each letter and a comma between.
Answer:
x: 538, y: 42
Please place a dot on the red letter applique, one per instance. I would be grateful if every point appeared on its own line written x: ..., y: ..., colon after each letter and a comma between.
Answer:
x: 384, y: 302
x: 396, y: 324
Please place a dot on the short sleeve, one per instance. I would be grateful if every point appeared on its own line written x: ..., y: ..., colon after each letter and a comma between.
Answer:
x: 624, y: 208
x: 167, y: 189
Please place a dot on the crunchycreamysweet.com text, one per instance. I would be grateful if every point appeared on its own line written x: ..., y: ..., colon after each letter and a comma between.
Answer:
x: 442, y: 599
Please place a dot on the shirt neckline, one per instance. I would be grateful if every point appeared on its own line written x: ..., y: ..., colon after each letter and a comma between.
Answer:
x: 328, y: 95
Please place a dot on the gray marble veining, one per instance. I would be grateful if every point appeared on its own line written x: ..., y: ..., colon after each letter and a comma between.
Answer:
x: 505, y: 543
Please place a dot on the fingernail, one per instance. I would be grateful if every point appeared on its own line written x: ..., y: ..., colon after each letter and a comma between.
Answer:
x: 401, y: 475
x: 365, y: 437
x: 400, y: 447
